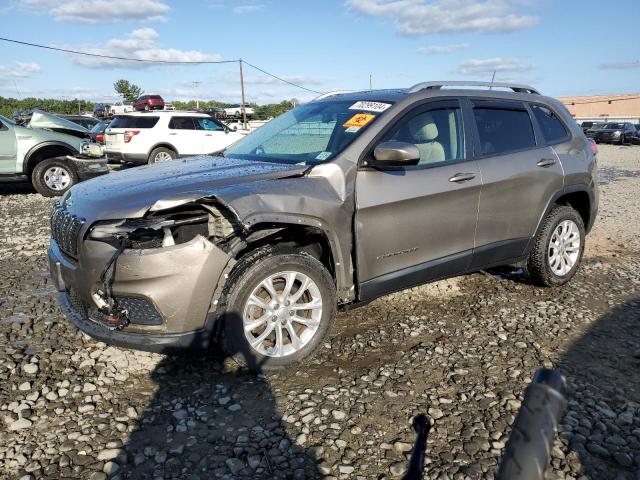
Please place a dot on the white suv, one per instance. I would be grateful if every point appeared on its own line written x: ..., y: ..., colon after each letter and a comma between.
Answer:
x: 119, y: 108
x: 235, y: 111
x: 158, y: 136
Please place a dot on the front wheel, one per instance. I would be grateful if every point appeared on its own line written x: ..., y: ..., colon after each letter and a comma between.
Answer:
x: 53, y: 177
x: 280, y: 307
x: 558, y: 247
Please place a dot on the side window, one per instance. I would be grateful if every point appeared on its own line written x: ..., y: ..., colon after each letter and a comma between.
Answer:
x: 551, y: 126
x: 182, y: 123
x: 207, y: 124
x: 503, y: 130
x: 437, y: 133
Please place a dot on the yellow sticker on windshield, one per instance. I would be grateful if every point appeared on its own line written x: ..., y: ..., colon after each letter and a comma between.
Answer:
x: 359, y: 120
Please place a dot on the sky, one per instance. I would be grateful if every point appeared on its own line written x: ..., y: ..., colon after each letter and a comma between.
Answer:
x: 562, y: 47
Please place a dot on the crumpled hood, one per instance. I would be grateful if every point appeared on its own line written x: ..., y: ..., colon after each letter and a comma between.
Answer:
x: 131, y: 193
x: 40, y: 119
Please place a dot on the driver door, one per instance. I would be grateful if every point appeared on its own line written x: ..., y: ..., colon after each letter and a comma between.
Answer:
x: 7, y: 148
x: 213, y: 135
x: 417, y: 223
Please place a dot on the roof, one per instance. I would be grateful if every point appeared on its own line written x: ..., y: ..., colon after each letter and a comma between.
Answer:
x: 182, y: 113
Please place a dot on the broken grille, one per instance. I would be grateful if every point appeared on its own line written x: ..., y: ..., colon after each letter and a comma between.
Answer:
x: 65, y: 229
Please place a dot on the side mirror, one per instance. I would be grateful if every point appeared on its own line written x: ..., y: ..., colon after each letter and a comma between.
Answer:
x: 396, y: 154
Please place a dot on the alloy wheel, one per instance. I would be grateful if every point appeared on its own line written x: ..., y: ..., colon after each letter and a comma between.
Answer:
x: 564, y: 247
x: 282, y: 314
x: 57, y: 178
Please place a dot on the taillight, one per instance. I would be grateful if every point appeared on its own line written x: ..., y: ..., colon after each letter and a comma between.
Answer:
x: 129, y: 134
x: 100, y: 138
x: 594, y: 146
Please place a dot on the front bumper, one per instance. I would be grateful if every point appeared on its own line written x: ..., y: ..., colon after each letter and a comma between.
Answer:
x: 88, y: 167
x: 177, y: 283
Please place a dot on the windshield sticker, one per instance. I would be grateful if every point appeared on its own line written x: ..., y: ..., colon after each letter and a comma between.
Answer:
x: 323, y: 155
x: 370, y: 106
x: 352, y: 129
x: 359, y: 120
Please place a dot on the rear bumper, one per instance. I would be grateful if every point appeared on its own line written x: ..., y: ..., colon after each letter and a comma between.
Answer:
x: 114, y: 156
x: 175, y: 285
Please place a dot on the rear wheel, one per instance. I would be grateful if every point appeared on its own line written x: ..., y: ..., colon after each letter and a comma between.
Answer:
x: 557, y: 251
x: 280, y: 307
x: 53, y: 177
x: 161, y: 154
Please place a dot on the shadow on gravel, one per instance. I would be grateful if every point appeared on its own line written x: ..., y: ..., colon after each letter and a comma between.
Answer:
x: 602, y: 424
x: 16, y: 188
x: 210, y: 419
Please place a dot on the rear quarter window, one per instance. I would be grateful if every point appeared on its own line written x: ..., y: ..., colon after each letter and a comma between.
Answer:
x: 134, y: 122
x: 552, y: 128
x: 503, y: 130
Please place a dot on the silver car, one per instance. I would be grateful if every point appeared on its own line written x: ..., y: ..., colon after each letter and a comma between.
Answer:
x: 329, y: 206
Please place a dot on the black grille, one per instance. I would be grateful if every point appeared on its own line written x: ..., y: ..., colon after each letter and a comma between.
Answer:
x: 65, y: 229
x: 139, y: 310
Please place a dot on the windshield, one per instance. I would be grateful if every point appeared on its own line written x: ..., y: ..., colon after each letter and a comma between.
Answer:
x: 613, y: 126
x: 7, y: 120
x: 311, y: 133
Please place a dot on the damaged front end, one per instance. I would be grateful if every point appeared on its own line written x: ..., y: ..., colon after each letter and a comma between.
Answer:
x: 146, y: 278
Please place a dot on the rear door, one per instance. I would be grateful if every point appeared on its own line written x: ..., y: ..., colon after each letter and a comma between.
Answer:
x: 417, y: 223
x: 520, y: 174
x: 184, y: 135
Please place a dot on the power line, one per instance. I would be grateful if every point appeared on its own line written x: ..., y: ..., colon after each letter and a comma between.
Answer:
x: 608, y: 100
x: 282, y: 79
x: 111, y: 57
x: 142, y: 60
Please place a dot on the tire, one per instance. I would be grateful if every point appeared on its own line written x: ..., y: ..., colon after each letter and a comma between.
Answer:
x: 146, y: 108
x: 540, y: 266
x: 158, y: 155
x: 622, y: 140
x: 247, y: 279
x: 45, y: 185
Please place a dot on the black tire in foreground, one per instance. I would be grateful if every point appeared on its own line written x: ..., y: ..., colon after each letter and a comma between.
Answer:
x: 53, y: 177
x: 273, y: 264
x: 558, y: 247
x: 159, y: 155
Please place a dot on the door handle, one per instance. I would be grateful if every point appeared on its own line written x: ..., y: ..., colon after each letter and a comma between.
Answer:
x: 208, y: 135
x: 173, y: 133
x: 462, y: 177
x: 546, y: 162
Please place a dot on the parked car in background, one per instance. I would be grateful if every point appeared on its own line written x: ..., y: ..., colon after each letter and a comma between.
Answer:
x: 141, y: 137
x: 51, y: 152
x: 86, y: 122
x: 101, y: 110
x: 149, y: 102
x: 636, y: 138
x: 614, y: 132
x: 119, y: 108
x: 169, y: 107
x: 264, y: 242
x: 588, y: 125
x: 235, y: 111
x: 217, y: 113
x: 97, y: 132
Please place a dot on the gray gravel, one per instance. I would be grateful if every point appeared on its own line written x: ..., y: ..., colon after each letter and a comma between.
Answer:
x: 462, y: 350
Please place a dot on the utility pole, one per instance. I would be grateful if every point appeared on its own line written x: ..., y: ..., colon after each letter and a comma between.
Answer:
x: 244, y: 112
x: 492, y: 79
x: 196, y: 85
x: 370, y: 81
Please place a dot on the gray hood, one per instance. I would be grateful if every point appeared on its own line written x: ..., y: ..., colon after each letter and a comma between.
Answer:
x: 131, y: 193
x: 41, y: 119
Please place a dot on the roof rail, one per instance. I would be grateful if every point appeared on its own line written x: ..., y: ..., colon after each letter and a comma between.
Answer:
x: 331, y: 94
x: 438, y: 85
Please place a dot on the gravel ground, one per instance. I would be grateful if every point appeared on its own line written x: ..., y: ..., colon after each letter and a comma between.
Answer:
x: 462, y: 350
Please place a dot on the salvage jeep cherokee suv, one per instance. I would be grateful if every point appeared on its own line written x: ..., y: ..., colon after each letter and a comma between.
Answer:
x: 331, y: 205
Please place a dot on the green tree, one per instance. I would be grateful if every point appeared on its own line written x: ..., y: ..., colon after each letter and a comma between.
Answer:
x: 127, y: 90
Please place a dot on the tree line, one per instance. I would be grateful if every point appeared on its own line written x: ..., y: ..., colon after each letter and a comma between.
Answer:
x: 76, y: 106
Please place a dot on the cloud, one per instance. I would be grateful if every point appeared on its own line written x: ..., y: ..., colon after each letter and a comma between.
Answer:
x: 139, y: 44
x: 621, y: 65
x: 481, y: 67
x: 248, y: 8
x: 422, y: 17
x: 96, y: 11
x: 18, y: 70
x: 443, y: 49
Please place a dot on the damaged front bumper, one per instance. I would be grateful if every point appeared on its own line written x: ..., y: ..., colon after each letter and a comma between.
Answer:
x: 166, y: 291
x: 87, y: 166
